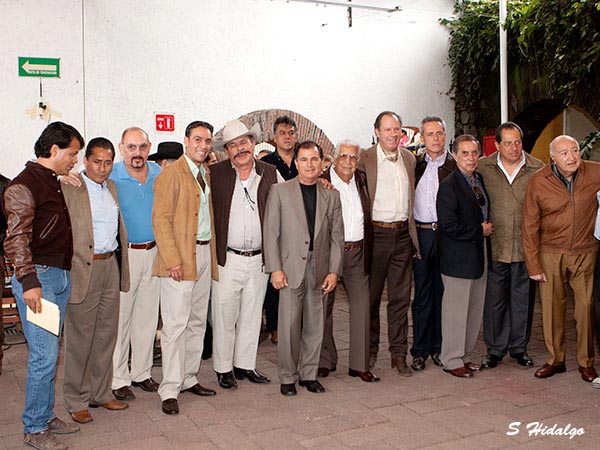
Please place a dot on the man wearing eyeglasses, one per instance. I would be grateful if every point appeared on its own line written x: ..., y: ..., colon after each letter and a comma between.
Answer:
x: 138, y: 308
x: 463, y: 218
x: 240, y: 188
x: 559, y: 214
x: 510, y: 294
x: 358, y: 246
x: 183, y: 223
x: 433, y: 166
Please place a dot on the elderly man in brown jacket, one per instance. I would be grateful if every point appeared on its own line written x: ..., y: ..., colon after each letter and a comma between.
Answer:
x: 183, y: 226
x: 559, y: 213
x: 510, y: 294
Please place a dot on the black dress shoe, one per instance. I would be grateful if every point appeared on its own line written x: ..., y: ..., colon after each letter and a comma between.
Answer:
x: 254, y: 376
x: 436, y: 360
x: 367, y: 377
x: 288, y: 389
x: 148, y: 385
x: 490, y: 361
x: 123, y: 393
x: 312, y: 386
x: 323, y: 372
x: 418, y: 363
x: 170, y: 406
x: 523, y: 359
x: 227, y: 380
x: 200, y: 390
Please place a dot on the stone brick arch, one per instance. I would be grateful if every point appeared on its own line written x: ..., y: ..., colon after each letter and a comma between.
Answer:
x: 307, y: 129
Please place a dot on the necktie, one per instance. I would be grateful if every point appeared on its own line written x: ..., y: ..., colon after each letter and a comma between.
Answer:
x: 201, y: 181
x: 393, y: 157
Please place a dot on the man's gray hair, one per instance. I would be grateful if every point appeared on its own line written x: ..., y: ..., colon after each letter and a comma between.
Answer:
x: 428, y: 119
x: 562, y: 136
x: 348, y: 142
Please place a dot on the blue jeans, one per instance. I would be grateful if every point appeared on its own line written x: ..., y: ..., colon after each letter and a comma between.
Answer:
x: 43, y: 348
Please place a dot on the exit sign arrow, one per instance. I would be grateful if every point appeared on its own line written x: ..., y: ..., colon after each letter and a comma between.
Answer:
x: 39, y: 67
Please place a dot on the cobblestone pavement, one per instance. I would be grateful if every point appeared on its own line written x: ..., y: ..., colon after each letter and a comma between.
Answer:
x: 430, y: 410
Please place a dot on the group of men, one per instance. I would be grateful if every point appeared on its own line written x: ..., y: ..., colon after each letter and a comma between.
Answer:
x: 118, y: 241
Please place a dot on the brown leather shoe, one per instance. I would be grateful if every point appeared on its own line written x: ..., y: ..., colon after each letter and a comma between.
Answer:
x: 274, y: 337
x: 82, y: 416
x: 472, y: 366
x: 367, y: 377
x: 460, y: 372
x: 548, y: 370
x: 400, y: 365
x: 588, y: 373
x: 113, y: 405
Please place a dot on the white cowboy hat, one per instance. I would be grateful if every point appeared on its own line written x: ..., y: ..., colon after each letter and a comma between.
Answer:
x: 235, y: 129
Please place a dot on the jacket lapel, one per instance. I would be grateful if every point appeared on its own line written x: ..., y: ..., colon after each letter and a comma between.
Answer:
x: 297, y: 203
x: 321, y: 207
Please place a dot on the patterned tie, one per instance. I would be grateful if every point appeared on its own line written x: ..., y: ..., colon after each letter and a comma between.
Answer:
x: 201, y: 181
x: 393, y: 157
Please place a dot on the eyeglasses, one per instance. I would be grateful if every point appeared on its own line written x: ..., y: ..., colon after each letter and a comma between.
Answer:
x: 251, y: 202
x: 348, y: 156
x: 239, y: 144
x: 133, y: 147
x: 509, y: 144
x: 479, y: 195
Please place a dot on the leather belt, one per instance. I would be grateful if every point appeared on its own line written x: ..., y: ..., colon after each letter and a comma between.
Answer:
x: 103, y: 255
x: 392, y: 225
x: 144, y: 246
x: 352, y: 245
x: 244, y: 252
x: 202, y: 242
x: 427, y: 226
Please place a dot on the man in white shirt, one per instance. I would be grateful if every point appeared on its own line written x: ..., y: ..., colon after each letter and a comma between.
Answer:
x: 390, y: 178
x: 358, y: 242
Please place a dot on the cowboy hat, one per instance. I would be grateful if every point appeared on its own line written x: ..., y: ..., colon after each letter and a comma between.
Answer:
x: 235, y: 129
x: 167, y: 150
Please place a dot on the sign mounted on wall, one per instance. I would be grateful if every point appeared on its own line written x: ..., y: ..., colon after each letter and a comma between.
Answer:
x: 165, y: 122
x: 39, y: 67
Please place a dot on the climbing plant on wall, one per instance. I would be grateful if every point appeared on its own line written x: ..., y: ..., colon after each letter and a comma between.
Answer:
x: 554, y: 46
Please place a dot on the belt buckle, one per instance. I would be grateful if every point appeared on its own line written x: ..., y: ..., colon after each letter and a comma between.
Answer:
x: 434, y: 226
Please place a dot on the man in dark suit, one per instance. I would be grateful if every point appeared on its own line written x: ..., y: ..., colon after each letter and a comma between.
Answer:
x: 463, y: 211
x: 358, y: 244
x: 93, y: 314
x: 390, y: 178
x: 433, y: 166
x: 304, y: 254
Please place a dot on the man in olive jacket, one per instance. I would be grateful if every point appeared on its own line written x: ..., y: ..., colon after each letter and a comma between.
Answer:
x: 510, y: 295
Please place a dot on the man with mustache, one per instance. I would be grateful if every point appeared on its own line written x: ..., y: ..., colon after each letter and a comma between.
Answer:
x: 240, y: 188
x: 40, y: 244
x: 183, y: 224
x: 138, y: 308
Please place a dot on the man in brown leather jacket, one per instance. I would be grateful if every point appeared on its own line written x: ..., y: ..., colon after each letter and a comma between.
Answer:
x: 39, y: 242
x: 559, y: 214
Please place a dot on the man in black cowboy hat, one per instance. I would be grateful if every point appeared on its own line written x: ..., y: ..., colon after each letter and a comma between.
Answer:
x: 167, y: 153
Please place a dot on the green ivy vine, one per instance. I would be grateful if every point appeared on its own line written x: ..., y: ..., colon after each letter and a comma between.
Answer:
x: 558, y: 45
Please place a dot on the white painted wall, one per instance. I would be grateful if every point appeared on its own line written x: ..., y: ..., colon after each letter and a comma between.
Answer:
x: 216, y: 60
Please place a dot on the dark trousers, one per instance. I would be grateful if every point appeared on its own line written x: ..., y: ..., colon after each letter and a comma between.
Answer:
x: 271, y: 307
x: 508, y: 312
x: 427, y: 303
x: 1, y: 310
x: 392, y: 261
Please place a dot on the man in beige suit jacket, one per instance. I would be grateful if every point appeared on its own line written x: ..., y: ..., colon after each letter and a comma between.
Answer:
x: 304, y: 252
x: 391, y: 181
x: 93, y: 313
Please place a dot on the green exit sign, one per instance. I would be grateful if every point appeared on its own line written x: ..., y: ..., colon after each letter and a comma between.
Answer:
x: 39, y: 67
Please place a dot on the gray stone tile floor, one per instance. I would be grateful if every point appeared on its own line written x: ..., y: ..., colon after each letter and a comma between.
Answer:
x: 430, y: 410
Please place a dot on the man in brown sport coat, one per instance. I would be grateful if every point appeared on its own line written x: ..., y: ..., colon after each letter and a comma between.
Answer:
x: 391, y: 181
x: 93, y: 313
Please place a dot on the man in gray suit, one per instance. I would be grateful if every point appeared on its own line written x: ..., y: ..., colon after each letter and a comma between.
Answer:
x: 93, y: 312
x: 304, y: 254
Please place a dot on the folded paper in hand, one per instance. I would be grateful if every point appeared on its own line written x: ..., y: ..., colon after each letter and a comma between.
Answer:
x: 48, y: 319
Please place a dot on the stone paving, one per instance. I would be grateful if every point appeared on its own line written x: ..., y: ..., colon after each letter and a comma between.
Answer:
x: 430, y: 410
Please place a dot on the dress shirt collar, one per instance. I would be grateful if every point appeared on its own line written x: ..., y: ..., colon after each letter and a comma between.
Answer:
x: 336, y: 180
